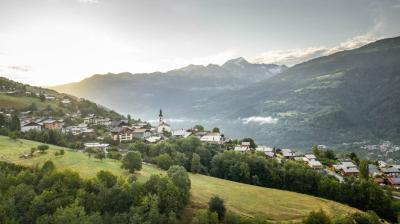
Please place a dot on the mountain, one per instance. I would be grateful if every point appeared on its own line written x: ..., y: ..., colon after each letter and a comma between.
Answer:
x: 341, y: 100
x: 345, y: 98
x: 142, y: 95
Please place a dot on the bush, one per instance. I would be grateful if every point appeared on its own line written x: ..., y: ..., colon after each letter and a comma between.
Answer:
x: 43, y: 148
x: 164, y: 161
x: 317, y: 218
x: 216, y: 204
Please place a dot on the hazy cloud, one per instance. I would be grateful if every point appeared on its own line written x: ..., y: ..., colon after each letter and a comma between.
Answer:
x: 259, y: 120
x: 20, y: 68
x: 298, y: 55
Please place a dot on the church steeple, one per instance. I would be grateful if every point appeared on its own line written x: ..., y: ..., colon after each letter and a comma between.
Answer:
x: 160, y: 116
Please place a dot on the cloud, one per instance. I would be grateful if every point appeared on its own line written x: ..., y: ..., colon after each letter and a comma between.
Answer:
x: 20, y: 68
x: 294, y: 56
x: 88, y: 1
x: 259, y: 120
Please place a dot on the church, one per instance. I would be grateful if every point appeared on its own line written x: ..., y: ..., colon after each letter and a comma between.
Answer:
x: 162, y: 125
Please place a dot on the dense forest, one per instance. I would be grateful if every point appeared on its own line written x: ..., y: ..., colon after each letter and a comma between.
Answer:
x: 44, y: 195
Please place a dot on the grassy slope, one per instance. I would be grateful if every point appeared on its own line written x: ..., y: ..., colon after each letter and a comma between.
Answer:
x: 23, y: 102
x: 244, y: 199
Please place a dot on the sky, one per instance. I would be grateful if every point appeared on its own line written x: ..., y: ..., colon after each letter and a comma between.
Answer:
x: 51, y: 42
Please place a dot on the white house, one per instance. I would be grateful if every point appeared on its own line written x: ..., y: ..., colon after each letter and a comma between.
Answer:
x: 31, y: 126
x: 181, y: 133
x: 153, y: 139
x: 95, y: 145
x: 213, y: 137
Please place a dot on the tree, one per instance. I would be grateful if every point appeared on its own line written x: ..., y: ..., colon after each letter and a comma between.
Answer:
x: 164, y: 161
x: 48, y: 167
x: 106, y: 178
x: 216, y: 204
x: 364, y: 171
x: 215, y: 130
x: 181, y: 179
x: 100, y: 155
x: 2, y: 120
x: 15, y: 124
x: 199, y: 127
x: 43, y: 148
x: 195, y: 165
x: 317, y: 218
x: 42, y: 98
x: 316, y: 151
x: 132, y: 161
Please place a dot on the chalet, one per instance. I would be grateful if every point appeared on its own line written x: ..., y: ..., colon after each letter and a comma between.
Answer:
x: 268, y: 151
x: 310, y: 157
x: 52, y: 124
x: 31, y: 126
x: 141, y: 133
x: 96, y: 145
x: 153, y: 139
x: 390, y: 171
x: 213, y: 138
x: 288, y: 153
x: 394, y: 181
x: 122, y: 134
x: 97, y: 120
x: 347, y: 168
x: 79, y: 129
x: 315, y: 164
x: 243, y: 147
x: 181, y: 133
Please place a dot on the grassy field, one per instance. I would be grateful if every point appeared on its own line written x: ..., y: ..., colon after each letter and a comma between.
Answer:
x: 247, y: 200
x: 21, y: 102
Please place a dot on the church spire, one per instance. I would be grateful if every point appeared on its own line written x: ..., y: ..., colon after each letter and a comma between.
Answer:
x: 161, y: 116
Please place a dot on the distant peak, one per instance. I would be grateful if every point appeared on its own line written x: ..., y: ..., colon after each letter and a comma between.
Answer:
x: 237, y: 61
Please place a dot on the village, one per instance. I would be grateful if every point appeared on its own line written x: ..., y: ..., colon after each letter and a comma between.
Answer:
x: 127, y: 130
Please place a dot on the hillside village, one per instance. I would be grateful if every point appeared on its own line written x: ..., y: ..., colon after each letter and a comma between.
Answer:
x: 102, y: 133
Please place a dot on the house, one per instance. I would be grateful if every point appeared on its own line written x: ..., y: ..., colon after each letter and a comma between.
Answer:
x: 122, y: 134
x: 243, y: 147
x: 153, y: 139
x: 52, y: 124
x: 390, y: 171
x: 96, y: 145
x: 310, y: 157
x: 141, y: 133
x: 213, y: 138
x: 181, y: 133
x: 65, y: 101
x: 31, y: 126
x: 163, y: 126
x: 394, y: 181
x: 79, y: 129
x: 97, y: 120
x: 315, y: 164
x: 264, y: 149
x: 382, y: 164
x: 346, y: 168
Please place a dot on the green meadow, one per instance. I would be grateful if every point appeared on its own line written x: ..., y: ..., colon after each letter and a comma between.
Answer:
x: 243, y: 199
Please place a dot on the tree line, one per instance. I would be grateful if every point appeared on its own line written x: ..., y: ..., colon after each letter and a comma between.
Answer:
x: 256, y: 169
x: 44, y: 195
